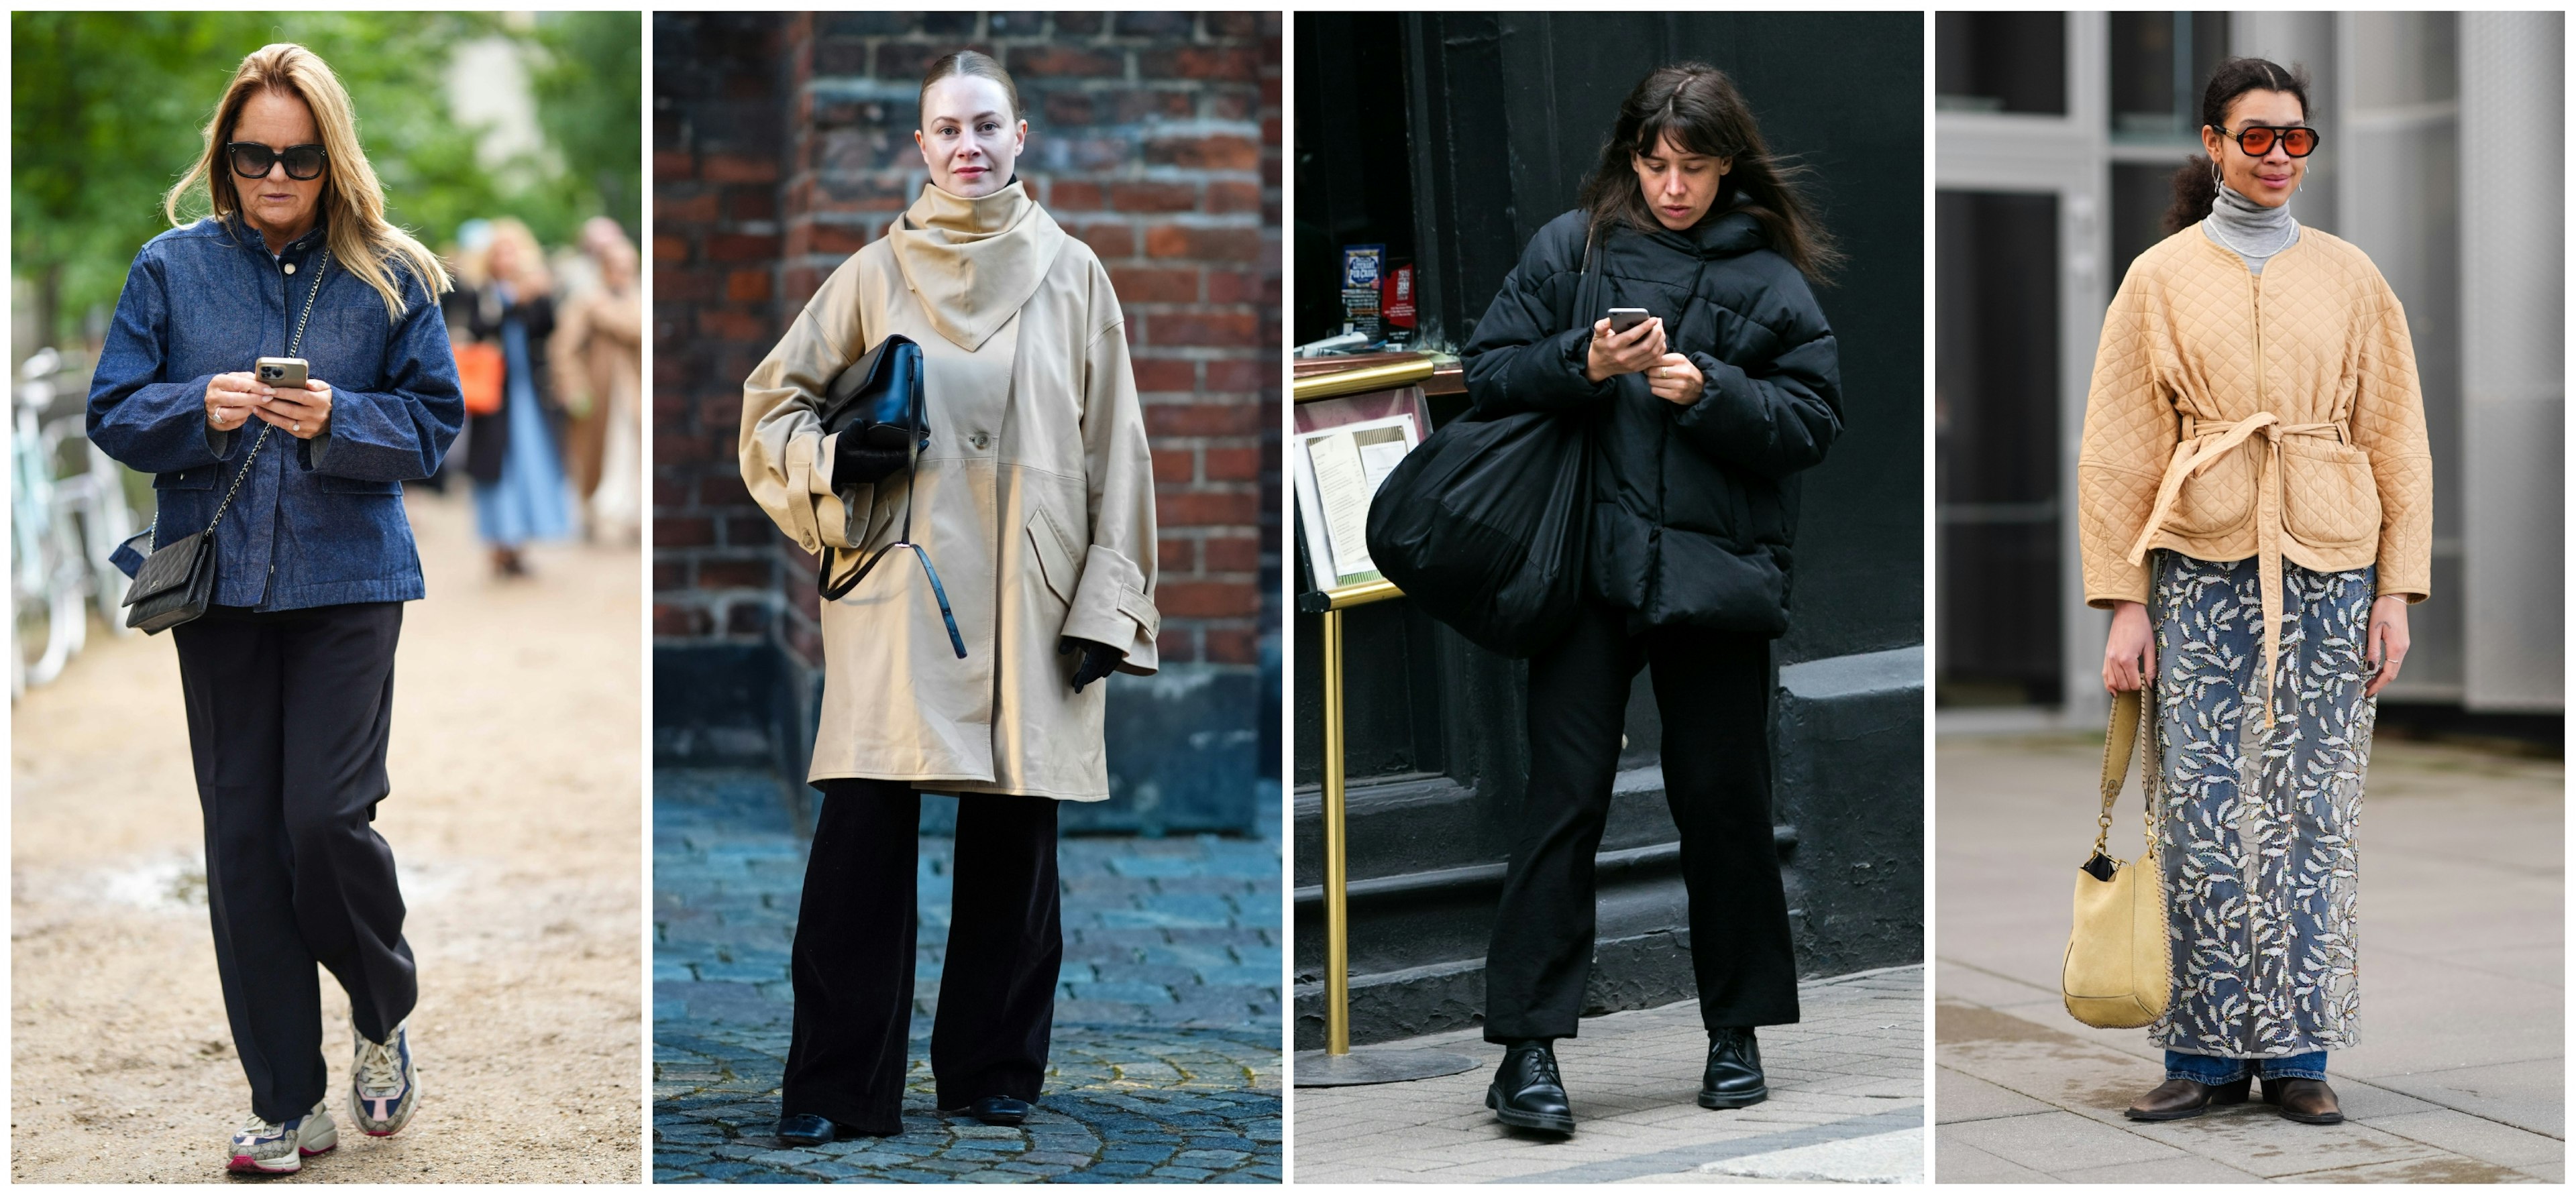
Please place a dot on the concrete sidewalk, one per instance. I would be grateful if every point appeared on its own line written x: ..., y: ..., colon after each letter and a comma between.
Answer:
x: 1846, y: 1104
x: 2459, y: 1077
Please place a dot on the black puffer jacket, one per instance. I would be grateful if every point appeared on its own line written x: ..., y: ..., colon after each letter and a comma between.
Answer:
x: 1693, y: 507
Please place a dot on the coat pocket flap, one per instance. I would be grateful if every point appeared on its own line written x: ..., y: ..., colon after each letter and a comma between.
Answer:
x: 1055, y: 556
x: 1148, y: 619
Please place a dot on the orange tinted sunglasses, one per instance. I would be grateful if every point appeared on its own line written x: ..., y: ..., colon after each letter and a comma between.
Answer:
x: 2298, y: 141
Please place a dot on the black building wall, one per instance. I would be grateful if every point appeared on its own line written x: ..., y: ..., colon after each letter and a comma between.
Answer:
x: 1500, y: 119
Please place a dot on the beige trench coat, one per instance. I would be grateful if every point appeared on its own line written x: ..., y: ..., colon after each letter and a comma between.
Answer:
x: 1035, y: 499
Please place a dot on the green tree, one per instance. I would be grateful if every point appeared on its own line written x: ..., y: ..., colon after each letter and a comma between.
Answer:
x: 109, y: 109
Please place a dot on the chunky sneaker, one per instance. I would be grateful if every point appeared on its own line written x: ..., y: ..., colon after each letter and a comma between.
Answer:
x: 384, y: 1084
x: 268, y: 1147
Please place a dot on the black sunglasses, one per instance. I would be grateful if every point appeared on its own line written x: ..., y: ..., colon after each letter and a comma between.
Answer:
x: 2297, y: 140
x: 252, y: 159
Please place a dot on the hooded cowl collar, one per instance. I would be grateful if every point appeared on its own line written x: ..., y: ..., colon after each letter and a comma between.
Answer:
x: 1726, y: 231
x: 974, y: 262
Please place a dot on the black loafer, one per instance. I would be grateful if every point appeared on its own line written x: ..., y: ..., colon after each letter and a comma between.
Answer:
x: 1527, y: 1093
x: 999, y: 1109
x: 807, y: 1129
x: 1733, y: 1078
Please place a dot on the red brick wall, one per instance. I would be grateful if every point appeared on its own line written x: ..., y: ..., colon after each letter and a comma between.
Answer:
x: 1154, y: 137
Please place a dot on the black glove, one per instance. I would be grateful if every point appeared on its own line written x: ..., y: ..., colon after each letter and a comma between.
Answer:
x: 1097, y: 659
x: 860, y: 457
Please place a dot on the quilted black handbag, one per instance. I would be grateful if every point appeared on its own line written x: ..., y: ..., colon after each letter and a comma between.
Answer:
x: 177, y: 581
x: 881, y: 395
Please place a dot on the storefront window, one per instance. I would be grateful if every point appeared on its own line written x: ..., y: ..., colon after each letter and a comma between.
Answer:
x: 2159, y: 62
x: 1995, y: 414
x: 2000, y: 62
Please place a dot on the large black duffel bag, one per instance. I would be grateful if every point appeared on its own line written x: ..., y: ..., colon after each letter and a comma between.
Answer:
x: 1483, y: 526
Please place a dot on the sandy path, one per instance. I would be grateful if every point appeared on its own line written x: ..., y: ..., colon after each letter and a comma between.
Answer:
x: 516, y: 818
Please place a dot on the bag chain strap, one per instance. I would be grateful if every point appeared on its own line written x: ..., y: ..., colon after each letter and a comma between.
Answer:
x: 294, y: 346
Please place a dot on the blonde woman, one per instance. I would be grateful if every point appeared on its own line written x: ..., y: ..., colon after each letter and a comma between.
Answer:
x: 1035, y: 496
x: 2256, y: 497
x: 519, y: 494
x: 288, y: 677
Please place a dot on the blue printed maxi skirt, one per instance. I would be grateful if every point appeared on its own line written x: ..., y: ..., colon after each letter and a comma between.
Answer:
x: 2262, y: 880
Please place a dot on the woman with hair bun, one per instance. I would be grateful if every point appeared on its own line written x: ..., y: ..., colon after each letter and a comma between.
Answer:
x: 1034, y: 492
x: 1703, y: 413
x: 2255, y: 501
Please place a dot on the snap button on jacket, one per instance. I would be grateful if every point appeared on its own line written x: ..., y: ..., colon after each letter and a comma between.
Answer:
x: 1034, y: 498
x: 2237, y: 415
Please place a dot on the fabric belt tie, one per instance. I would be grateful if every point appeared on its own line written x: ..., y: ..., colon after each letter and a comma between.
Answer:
x: 2217, y: 440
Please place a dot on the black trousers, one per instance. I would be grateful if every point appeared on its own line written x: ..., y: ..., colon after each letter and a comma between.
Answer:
x: 288, y: 716
x: 853, y: 959
x: 1711, y: 688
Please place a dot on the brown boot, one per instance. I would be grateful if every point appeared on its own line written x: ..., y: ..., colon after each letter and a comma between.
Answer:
x: 2308, y: 1101
x: 2179, y: 1099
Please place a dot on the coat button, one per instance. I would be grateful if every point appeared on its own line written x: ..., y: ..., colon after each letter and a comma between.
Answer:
x: 290, y: 267
x: 981, y: 439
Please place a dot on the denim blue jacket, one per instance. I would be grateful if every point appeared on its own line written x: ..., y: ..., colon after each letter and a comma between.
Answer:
x: 319, y: 522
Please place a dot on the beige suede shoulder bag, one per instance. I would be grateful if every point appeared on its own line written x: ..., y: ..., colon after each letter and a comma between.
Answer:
x: 2118, y: 972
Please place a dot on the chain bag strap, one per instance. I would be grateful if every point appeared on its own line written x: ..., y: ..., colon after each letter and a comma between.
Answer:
x: 177, y: 581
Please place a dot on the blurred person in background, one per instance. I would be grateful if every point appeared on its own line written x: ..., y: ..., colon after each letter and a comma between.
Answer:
x: 288, y: 676
x: 510, y: 452
x: 598, y: 373
x: 2255, y: 493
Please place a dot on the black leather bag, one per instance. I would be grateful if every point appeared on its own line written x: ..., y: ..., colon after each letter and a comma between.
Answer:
x: 177, y: 581
x: 175, y: 584
x: 883, y: 388
x: 882, y: 394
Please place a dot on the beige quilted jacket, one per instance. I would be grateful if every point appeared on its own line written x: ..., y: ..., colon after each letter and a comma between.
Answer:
x: 2271, y: 415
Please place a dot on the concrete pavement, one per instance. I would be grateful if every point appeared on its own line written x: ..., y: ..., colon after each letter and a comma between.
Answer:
x: 2459, y: 1077
x: 1846, y: 1103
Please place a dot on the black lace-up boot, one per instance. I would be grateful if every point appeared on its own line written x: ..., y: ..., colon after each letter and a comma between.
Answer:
x: 1527, y: 1093
x: 1734, y: 1075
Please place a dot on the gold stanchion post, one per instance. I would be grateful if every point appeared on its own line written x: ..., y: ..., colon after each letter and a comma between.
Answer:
x: 1337, y: 910
x: 1336, y: 1065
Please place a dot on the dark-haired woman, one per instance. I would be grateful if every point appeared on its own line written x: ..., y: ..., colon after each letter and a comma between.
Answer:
x: 2256, y: 501
x: 1702, y: 415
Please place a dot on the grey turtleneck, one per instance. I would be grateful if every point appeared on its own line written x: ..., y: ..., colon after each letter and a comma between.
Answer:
x: 2249, y: 229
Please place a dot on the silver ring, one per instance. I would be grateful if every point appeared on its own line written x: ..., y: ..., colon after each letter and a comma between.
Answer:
x: 299, y: 427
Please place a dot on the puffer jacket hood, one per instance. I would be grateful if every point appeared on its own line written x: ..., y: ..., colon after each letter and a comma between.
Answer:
x: 1694, y: 507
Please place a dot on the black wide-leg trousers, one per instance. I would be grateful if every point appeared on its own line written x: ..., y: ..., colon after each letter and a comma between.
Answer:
x: 1712, y: 689
x: 289, y: 713
x: 853, y: 958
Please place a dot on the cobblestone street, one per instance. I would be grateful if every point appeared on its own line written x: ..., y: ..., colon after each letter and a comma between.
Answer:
x: 1165, y: 1064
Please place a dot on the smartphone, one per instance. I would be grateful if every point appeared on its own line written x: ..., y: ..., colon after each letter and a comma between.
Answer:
x: 1624, y: 318
x: 281, y: 373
